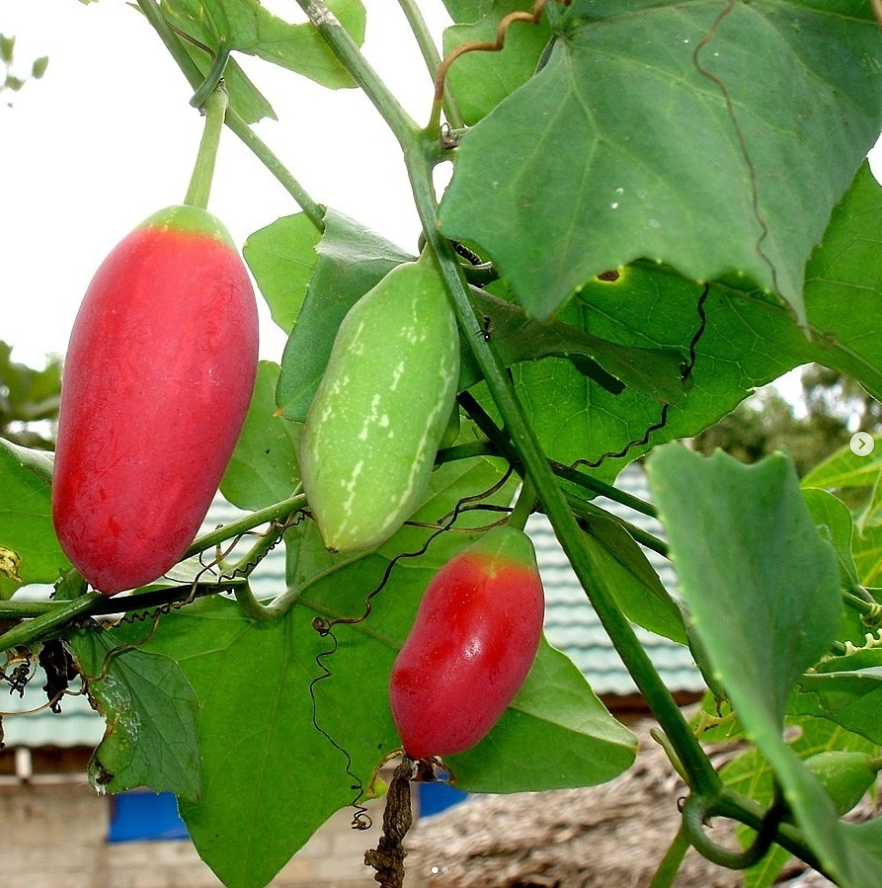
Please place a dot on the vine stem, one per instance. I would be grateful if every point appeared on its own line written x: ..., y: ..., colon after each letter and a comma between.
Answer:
x: 203, y: 170
x: 275, y: 512
x: 25, y: 633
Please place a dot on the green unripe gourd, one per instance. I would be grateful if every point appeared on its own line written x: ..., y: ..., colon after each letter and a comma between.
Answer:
x: 847, y: 776
x: 372, y: 432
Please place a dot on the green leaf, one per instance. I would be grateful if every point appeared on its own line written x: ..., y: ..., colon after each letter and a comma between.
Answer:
x: 635, y: 98
x: 263, y: 469
x: 831, y: 515
x: 481, y: 80
x: 742, y: 342
x: 847, y: 469
x: 7, y: 48
x: 150, y: 709
x: 762, y: 588
x: 748, y: 340
x: 39, y: 66
x: 843, y: 286
x: 849, y: 699
x: 28, y: 546
x: 761, y: 585
x: 248, y: 27
x: 636, y: 585
x: 351, y: 260
x: 282, y: 257
x: 653, y: 372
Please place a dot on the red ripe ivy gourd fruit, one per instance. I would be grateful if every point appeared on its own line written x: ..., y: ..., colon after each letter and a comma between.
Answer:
x: 474, y: 640
x: 157, y: 381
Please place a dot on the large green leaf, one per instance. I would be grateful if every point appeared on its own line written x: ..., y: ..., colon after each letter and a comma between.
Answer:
x: 351, y: 260
x: 264, y: 467
x: 282, y: 257
x: 150, y: 709
x: 291, y: 718
x: 762, y: 588
x: 660, y: 130
x: 29, y: 550
x: 248, y: 27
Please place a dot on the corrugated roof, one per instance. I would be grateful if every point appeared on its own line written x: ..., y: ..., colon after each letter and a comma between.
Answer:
x: 571, y: 625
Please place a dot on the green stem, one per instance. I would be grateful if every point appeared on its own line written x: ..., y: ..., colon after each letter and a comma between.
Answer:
x: 562, y: 519
x: 203, y: 171
x: 871, y: 612
x: 432, y: 58
x: 672, y: 861
x: 18, y: 610
x: 696, y: 812
x: 25, y: 633
x: 314, y: 211
x: 525, y: 505
x: 275, y: 512
x: 259, y: 612
x: 465, y: 451
x: 603, y: 489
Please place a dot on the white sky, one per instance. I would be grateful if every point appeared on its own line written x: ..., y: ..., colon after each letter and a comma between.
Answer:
x: 107, y: 137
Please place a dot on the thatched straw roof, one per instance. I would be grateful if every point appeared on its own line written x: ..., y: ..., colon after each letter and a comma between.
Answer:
x: 612, y: 835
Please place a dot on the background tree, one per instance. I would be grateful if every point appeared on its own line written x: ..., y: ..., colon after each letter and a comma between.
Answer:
x: 28, y: 400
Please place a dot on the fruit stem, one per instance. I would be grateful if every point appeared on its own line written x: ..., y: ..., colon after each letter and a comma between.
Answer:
x: 215, y: 109
x: 277, y: 511
x: 524, y: 505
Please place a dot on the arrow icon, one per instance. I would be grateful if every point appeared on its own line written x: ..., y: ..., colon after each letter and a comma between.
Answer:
x: 862, y: 444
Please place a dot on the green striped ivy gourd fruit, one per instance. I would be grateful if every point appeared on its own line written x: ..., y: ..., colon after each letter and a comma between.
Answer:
x: 370, y: 437
x: 472, y: 644
x: 157, y: 380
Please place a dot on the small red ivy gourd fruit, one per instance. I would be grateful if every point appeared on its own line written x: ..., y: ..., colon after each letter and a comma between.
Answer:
x: 156, y: 384
x: 474, y: 640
